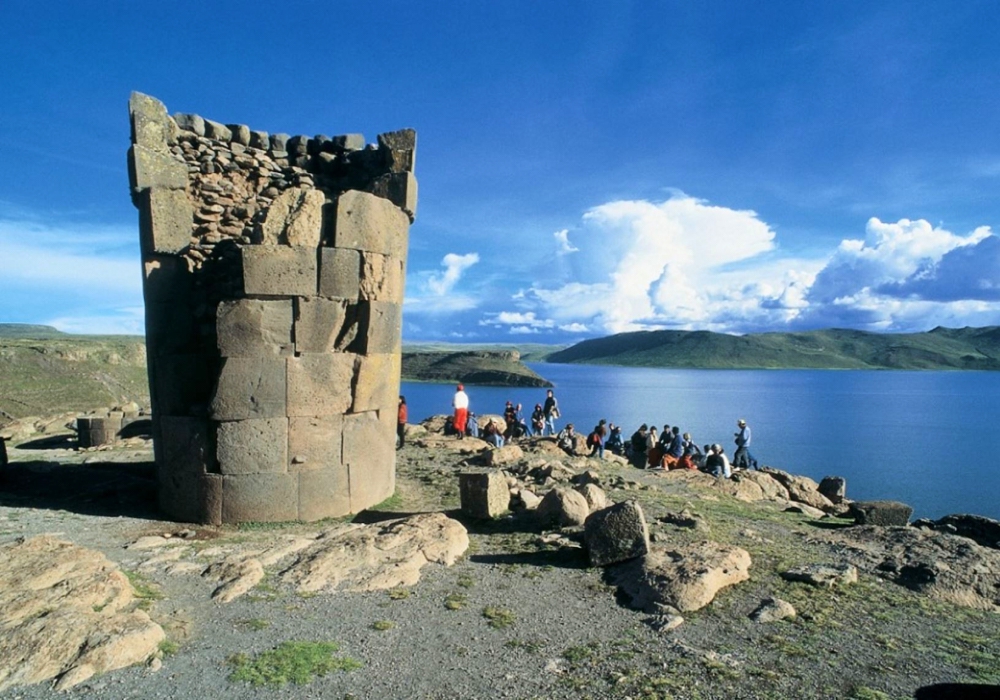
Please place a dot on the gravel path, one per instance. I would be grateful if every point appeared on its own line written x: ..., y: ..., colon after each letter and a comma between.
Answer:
x: 568, y: 637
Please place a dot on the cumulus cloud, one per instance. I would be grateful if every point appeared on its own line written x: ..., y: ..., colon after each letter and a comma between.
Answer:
x: 684, y: 263
x: 564, y: 247
x: 435, y: 292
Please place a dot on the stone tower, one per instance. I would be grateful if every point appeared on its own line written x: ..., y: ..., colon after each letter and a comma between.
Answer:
x: 273, y: 271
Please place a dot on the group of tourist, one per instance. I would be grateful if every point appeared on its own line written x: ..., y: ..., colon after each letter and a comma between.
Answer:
x: 646, y: 449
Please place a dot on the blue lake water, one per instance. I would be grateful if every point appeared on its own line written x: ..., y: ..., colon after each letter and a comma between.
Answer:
x: 925, y: 438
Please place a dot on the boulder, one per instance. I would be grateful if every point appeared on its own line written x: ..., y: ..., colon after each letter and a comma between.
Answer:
x: 528, y: 499
x: 686, y: 578
x: 564, y: 506
x: 596, y: 498
x: 616, y: 534
x: 771, y: 488
x: 834, y: 488
x: 236, y: 577
x: 739, y: 488
x: 502, y: 456
x: 484, y: 493
x: 884, y: 513
x: 587, y: 477
x: 686, y: 519
x: 435, y: 424
x: 773, y: 610
x: 67, y: 611
x: 801, y: 489
x: 985, y: 531
x: 822, y: 575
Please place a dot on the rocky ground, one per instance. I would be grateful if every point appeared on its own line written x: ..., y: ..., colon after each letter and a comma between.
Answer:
x: 446, y: 606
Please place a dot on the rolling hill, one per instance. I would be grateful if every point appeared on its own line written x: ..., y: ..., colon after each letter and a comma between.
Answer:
x: 941, y: 348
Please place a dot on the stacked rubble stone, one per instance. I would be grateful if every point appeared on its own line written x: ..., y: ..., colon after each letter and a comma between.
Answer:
x: 273, y: 281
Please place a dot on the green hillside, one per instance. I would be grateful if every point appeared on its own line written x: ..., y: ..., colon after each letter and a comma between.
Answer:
x: 28, y: 330
x: 479, y: 367
x: 941, y: 348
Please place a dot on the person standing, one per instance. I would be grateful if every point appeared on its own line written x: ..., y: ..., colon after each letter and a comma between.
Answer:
x: 461, y: 405
x: 551, y: 411
x: 401, y: 422
x: 599, y: 434
x: 742, y: 459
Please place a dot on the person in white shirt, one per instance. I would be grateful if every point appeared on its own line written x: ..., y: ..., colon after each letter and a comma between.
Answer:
x: 461, y: 405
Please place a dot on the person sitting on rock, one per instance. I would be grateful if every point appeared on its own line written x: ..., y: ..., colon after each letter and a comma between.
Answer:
x: 566, y: 439
x: 637, y: 447
x: 675, y: 450
x: 472, y: 425
x: 665, y: 437
x: 614, y: 445
x: 691, y: 456
x: 718, y: 463
x: 492, y: 434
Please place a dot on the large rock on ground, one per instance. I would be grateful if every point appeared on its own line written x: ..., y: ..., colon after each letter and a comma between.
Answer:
x: 884, y: 513
x: 616, y: 534
x: 596, y: 498
x: 834, y: 488
x: 801, y: 489
x: 772, y: 489
x: 984, y: 531
x: 739, y: 488
x: 686, y: 578
x: 823, y: 575
x: 564, y: 507
x: 502, y: 456
x: 377, y: 556
x: 67, y: 612
x: 485, y: 494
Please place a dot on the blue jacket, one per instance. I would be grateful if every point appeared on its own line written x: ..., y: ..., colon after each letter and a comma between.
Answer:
x: 743, y: 437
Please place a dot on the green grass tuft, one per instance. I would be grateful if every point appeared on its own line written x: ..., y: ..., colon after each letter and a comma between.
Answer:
x: 499, y: 618
x: 290, y: 662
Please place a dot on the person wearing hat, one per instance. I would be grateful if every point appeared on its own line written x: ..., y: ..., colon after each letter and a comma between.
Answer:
x: 717, y: 463
x: 742, y: 459
x: 537, y: 420
x: 461, y: 405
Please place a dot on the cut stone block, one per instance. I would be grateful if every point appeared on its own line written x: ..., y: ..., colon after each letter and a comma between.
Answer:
x: 165, y: 279
x: 318, y: 324
x: 364, y: 221
x: 164, y: 220
x: 315, y: 442
x: 398, y: 188
x: 370, y: 458
x: 884, y: 513
x: 349, y: 142
x: 260, y: 498
x: 616, y: 534
x: 377, y: 385
x: 190, y: 122
x: 484, y: 494
x: 339, y: 272
x: 834, y: 488
x: 253, y: 327
x: 148, y: 168
x: 182, y: 383
x: 295, y: 218
x: 379, y: 327
x: 253, y: 446
x: 171, y: 328
x: 250, y: 387
x: 277, y: 270
x: 324, y: 493
x: 383, y: 278
x: 217, y: 131
x: 152, y: 128
x: 211, y: 499
x: 401, y: 149
x: 93, y: 431
x: 320, y: 385
x: 186, y: 454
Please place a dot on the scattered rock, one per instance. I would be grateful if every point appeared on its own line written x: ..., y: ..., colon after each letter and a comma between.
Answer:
x: 596, y: 498
x: 805, y: 510
x: 237, y: 576
x: 587, y: 477
x: 823, y: 575
x: 984, y: 531
x: 800, y: 488
x: 686, y: 519
x: 378, y: 556
x: 773, y: 610
x: 149, y: 542
x: 502, y: 456
x: 739, y: 488
x: 563, y: 506
x: 484, y: 494
x: 834, y: 488
x: 528, y: 499
x: 616, y: 534
x: 67, y: 611
x: 884, y: 513
x: 771, y: 488
x: 686, y: 578
x: 666, y: 623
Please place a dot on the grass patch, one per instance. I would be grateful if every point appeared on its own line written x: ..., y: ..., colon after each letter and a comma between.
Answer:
x: 579, y: 654
x: 290, y: 662
x: 399, y: 593
x: 383, y: 625
x: 465, y: 581
x: 499, y: 618
x: 255, y: 624
x: 145, y: 590
x: 455, y: 601
x: 865, y: 693
x: 532, y: 646
x: 168, y: 647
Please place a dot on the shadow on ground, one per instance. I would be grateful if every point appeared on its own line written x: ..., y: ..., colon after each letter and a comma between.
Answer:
x: 99, y: 488
x: 52, y: 442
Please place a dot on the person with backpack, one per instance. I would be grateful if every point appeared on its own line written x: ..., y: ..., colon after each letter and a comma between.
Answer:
x: 537, y: 420
x: 637, y: 443
x: 551, y: 411
x: 595, y: 441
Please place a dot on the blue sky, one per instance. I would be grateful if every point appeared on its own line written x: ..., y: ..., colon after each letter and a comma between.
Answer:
x: 585, y: 168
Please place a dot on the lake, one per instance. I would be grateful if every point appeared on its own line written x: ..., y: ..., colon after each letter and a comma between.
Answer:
x: 923, y: 438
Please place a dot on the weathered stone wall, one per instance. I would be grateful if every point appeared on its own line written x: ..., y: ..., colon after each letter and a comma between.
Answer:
x: 273, y: 279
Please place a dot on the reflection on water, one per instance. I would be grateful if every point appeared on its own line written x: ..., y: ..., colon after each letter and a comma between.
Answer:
x: 925, y: 438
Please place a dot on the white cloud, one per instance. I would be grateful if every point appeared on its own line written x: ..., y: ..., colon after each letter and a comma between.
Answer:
x: 435, y: 292
x: 564, y: 247
x: 125, y: 321
x: 574, y: 328
x: 454, y: 266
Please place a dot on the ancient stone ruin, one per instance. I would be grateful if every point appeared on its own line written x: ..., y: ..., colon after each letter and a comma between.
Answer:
x: 273, y: 270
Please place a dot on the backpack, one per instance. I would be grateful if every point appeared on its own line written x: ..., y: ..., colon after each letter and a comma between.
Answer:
x: 592, y: 439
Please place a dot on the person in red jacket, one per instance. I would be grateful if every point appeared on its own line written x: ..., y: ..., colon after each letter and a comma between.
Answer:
x: 401, y: 422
